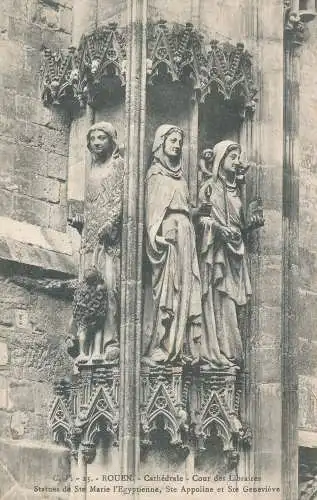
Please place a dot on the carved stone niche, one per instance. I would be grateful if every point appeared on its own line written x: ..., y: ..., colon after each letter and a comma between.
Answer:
x: 86, y: 408
x: 175, y: 52
x: 164, y: 408
x: 185, y: 409
x: 215, y: 419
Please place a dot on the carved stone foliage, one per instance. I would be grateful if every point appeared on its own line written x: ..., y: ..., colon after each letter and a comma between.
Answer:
x: 295, y: 23
x: 174, y: 52
x: 189, y: 406
x: 78, y: 75
x: 86, y: 408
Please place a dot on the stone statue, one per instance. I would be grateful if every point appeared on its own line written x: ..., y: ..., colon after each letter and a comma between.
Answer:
x: 171, y: 249
x: 96, y: 302
x: 222, y: 255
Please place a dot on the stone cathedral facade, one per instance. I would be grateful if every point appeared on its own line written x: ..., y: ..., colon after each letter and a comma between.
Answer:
x: 158, y: 267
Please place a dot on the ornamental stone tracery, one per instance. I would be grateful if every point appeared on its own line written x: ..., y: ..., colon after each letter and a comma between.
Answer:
x: 174, y: 53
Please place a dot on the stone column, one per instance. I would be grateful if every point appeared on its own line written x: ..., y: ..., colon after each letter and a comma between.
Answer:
x: 294, y: 34
x: 290, y: 268
x: 262, y: 140
x: 132, y: 239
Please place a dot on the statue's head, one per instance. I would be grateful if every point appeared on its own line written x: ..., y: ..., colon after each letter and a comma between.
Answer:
x: 168, y: 143
x: 102, y: 141
x: 207, y: 155
x: 226, y: 159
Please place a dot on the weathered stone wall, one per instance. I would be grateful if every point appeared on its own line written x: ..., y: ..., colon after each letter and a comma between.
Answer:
x: 33, y: 140
x: 307, y: 313
x: 33, y: 326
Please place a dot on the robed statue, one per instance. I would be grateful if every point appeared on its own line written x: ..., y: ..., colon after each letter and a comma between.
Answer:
x: 171, y: 249
x: 222, y: 254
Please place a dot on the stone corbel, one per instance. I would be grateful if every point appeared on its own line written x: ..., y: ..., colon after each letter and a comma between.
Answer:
x: 295, y: 23
x: 84, y: 408
x: 164, y: 398
x: 50, y: 286
x: 218, y: 412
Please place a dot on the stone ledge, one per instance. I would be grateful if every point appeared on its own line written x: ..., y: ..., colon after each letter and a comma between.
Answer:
x: 307, y: 439
x: 36, y: 246
x: 25, y: 464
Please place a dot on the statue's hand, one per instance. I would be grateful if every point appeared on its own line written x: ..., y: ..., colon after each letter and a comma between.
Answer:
x: 77, y: 222
x: 225, y: 233
x: 171, y: 236
x: 255, y: 218
x: 161, y: 241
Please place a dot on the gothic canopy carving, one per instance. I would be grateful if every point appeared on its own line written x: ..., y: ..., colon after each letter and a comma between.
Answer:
x: 174, y: 53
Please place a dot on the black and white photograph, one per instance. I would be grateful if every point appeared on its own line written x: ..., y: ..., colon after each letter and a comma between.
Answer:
x: 158, y: 249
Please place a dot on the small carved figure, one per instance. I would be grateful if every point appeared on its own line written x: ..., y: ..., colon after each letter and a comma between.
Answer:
x: 223, y: 266
x: 96, y: 321
x: 171, y: 249
x: 205, y: 163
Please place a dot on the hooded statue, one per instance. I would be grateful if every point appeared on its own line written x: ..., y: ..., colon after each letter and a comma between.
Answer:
x: 171, y: 249
x: 222, y: 257
x: 100, y: 249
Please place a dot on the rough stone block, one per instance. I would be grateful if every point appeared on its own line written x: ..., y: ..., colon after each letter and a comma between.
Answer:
x: 57, y: 166
x: 3, y: 393
x: 4, y: 25
x: 21, y: 396
x: 6, y: 101
x: 30, y: 160
x: 27, y: 133
x: 33, y: 463
x: 65, y: 19
x: 53, y: 140
x: 307, y: 358
x: 308, y: 269
x: 43, y: 397
x: 63, y: 195
x: 12, y: 53
x: 56, y: 39
x: 58, y: 218
x: 16, y: 8
x: 44, y: 14
x: 4, y: 355
x: 7, y: 162
x: 7, y: 481
x: 30, y: 210
x: 307, y: 315
x: 26, y: 108
x: 6, y: 318
x: 19, y: 421
x: 46, y: 189
x: 35, y: 256
x: 6, y: 203
x: 24, y: 32
x: 34, y: 235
